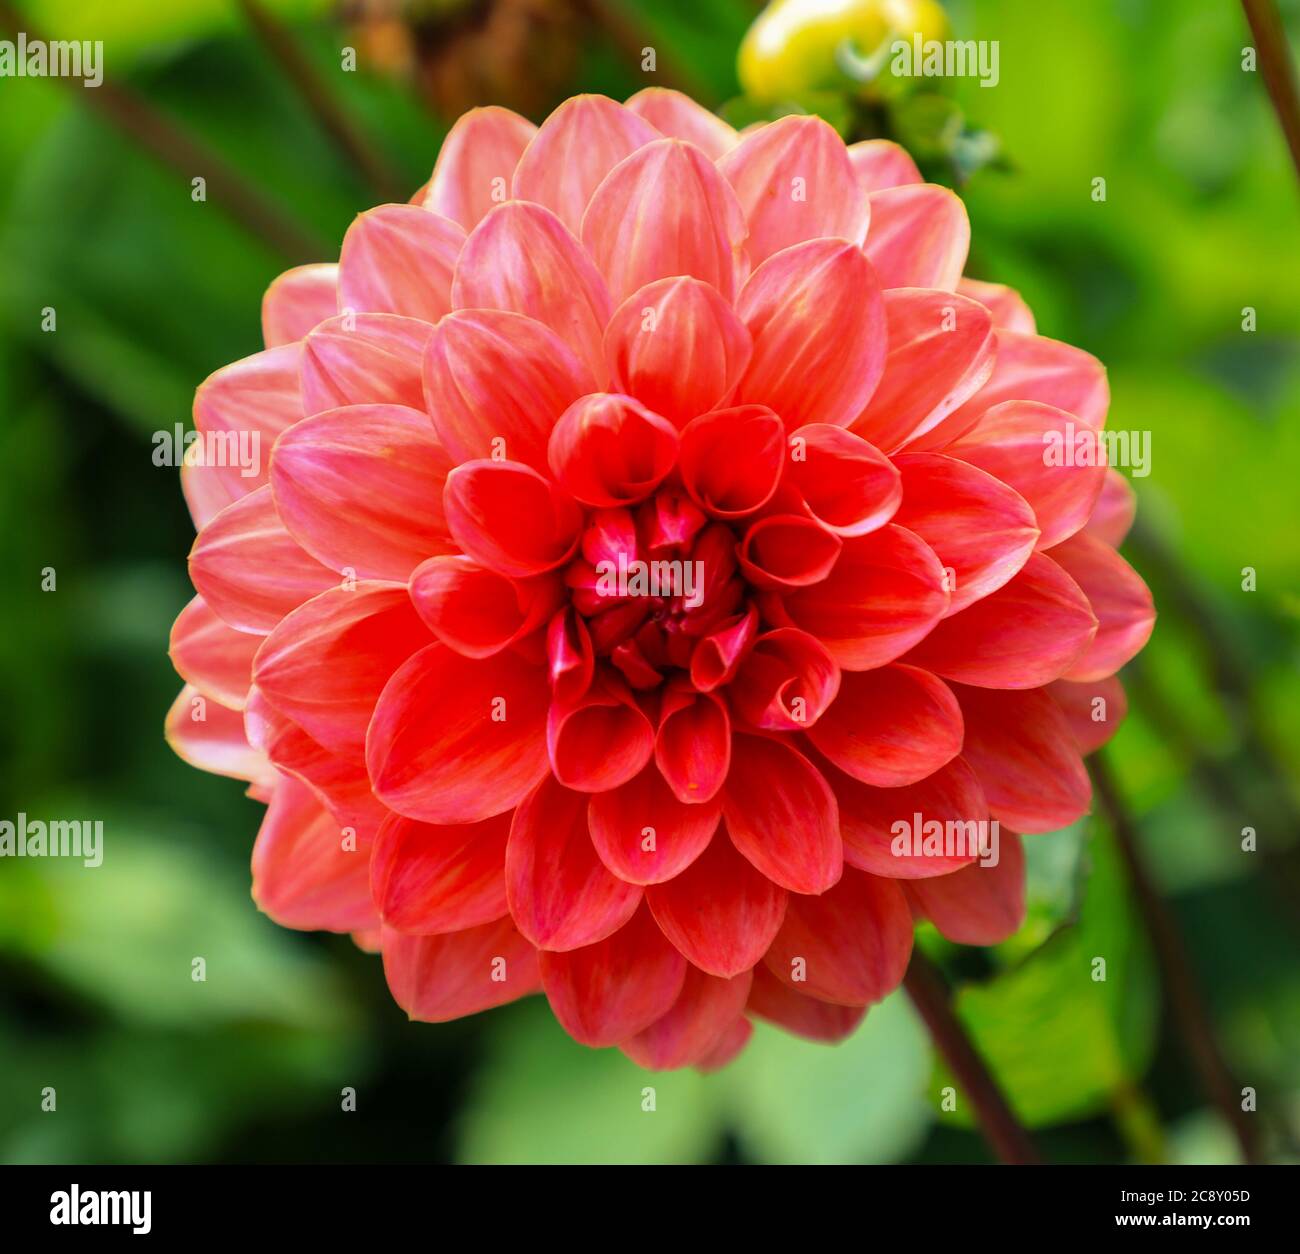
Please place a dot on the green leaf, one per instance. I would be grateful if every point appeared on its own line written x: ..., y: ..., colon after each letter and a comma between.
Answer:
x: 861, y: 1101
x: 123, y: 935
x: 1055, y: 875
x: 146, y: 1096
x: 543, y: 1098
x: 1059, y: 1041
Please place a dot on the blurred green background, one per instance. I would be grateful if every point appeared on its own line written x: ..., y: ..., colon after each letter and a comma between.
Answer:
x: 153, y: 291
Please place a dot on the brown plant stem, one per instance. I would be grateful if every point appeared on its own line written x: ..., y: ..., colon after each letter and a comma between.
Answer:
x: 932, y: 998
x: 188, y: 157
x: 627, y: 34
x: 1278, y: 68
x: 319, y: 100
x: 1186, y: 1001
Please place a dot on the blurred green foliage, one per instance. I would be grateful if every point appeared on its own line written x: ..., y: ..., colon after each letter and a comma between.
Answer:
x: 1071, y: 1024
x: 153, y: 291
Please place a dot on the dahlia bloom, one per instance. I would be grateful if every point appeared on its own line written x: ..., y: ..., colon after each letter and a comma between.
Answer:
x: 655, y: 524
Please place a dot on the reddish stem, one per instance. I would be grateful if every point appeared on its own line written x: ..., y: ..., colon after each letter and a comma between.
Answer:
x: 188, y: 157
x: 1185, y: 999
x: 932, y: 998
x: 316, y: 95
x: 1278, y: 69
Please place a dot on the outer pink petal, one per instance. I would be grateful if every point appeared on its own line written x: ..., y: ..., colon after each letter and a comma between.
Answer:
x: 1115, y: 510
x: 978, y: 905
x: 325, y: 664
x: 1031, y: 368
x: 1021, y: 747
x: 676, y: 115
x: 361, y: 489
x: 399, y: 259
x: 307, y: 873
x: 720, y: 913
x: 1013, y: 442
x: 919, y: 236
x: 1119, y: 598
x: 1037, y: 368
x: 429, y: 879
x: 644, y: 834
x: 258, y: 396
x: 250, y: 570
x: 885, y: 593
x: 576, y: 147
x: 439, y: 978
x: 665, y: 211
x: 890, y: 726
x: 1094, y: 709
x: 782, y: 815
x: 297, y: 301
x: 799, y: 1013
x: 1026, y: 634
x: 369, y: 940
x: 522, y: 258
x: 610, y: 991
x: 871, y: 818
x: 729, y: 1046
x: 818, y: 322
x: 1010, y: 313
x: 208, y: 491
x: 795, y: 182
x: 982, y: 531
x: 364, y: 359
x: 495, y: 383
x: 214, y: 658
x: 477, y: 163
x: 850, y: 946
x: 341, y: 783
x: 678, y: 347
x: 880, y: 163
x: 699, y: 1019
x: 561, y: 895
x: 211, y: 737
x: 454, y: 740
x: 940, y: 353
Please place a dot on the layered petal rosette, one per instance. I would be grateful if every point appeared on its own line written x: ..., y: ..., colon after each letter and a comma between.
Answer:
x: 657, y: 572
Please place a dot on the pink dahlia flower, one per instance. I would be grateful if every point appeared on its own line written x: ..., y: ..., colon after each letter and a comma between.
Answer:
x: 655, y: 526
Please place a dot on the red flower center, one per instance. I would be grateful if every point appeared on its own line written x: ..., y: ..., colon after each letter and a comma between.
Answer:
x: 652, y: 581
